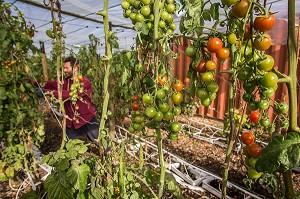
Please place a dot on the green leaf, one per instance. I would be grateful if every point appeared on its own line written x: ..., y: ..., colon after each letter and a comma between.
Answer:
x: 55, y: 189
x: 281, y: 153
x: 31, y: 195
x: 214, y: 11
x: 78, y: 176
x: 124, y: 76
x: 134, y: 195
x: 3, y: 33
x: 173, y: 186
x: 63, y: 164
x: 206, y: 15
x: 129, y: 177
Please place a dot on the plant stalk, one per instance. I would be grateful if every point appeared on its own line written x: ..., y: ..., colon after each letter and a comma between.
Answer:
x: 161, y: 163
x: 232, y: 134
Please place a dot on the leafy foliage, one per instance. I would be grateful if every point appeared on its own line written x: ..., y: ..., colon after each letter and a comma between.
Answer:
x: 21, y: 125
x: 282, y: 153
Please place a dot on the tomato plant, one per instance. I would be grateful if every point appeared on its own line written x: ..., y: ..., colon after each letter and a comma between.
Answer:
x: 214, y: 45
x: 264, y: 23
x: 247, y: 138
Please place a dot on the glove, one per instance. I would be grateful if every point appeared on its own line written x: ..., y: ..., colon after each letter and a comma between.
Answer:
x: 40, y: 92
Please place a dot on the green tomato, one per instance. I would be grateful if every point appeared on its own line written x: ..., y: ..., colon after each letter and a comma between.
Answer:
x: 207, y: 77
x: 270, y: 79
x: 139, y: 119
x: 160, y: 94
x: 168, y: 115
x: 158, y: 116
x: 173, y: 136
x: 264, y: 121
x: 249, y: 86
x: 150, y: 112
x: 266, y: 64
x: 175, y: 127
x: 202, y: 93
x: 268, y: 93
x: 263, y: 104
x: 125, y: 5
x: 163, y: 107
x: 145, y: 10
x: 206, y: 102
x: 177, y: 97
x: 137, y: 127
x: 131, y: 129
x: 252, y: 105
x: 171, y: 8
x: 244, y: 74
x: 247, y: 97
x: 212, y: 87
x: 228, y: 2
x: 147, y: 98
x: 176, y: 110
x: 190, y: 51
x: 282, y: 107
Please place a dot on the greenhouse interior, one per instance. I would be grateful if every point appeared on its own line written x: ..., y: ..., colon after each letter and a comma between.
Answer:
x: 149, y: 99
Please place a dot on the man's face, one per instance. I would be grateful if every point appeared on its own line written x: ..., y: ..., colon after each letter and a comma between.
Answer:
x: 68, y: 69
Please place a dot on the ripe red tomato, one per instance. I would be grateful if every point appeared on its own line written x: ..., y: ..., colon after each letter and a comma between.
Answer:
x: 223, y: 53
x: 240, y: 9
x: 135, y: 106
x: 254, y: 116
x: 178, y: 85
x: 177, y: 97
x: 210, y: 65
x: 214, y: 45
x: 190, y: 51
x: 254, y: 150
x: 201, y: 67
x: 263, y: 24
x: 135, y: 98
x: 263, y: 43
x: 162, y: 79
x: 247, y: 138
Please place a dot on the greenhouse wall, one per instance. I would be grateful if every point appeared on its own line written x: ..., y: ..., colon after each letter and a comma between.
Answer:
x: 219, y: 106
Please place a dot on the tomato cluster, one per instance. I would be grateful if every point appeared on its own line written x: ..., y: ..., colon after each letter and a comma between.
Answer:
x: 251, y: 151
x: 76, y: 87
x: 141, y: 14
x: 155, y: 109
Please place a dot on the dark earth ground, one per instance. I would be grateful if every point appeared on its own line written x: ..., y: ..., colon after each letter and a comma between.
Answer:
x: 199, y: 153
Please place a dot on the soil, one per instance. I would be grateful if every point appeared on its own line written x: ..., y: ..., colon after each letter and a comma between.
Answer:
x: 199, y: 153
